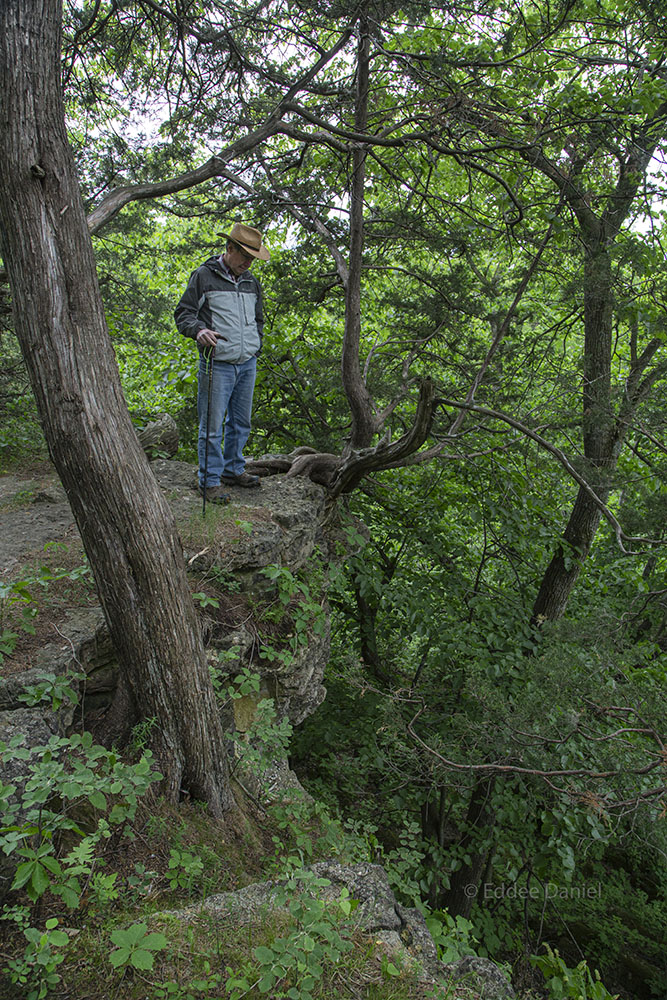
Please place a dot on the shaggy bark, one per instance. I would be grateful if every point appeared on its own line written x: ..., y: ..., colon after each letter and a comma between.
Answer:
x: 124, y: 521
x: 364, y: 424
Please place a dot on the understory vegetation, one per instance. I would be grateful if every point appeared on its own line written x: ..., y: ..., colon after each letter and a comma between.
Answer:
x: 102, y: 867
x: 566, y: 885
x: 465, y: 347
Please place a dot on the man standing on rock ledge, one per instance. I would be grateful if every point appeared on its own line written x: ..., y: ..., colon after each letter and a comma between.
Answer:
x: 221, y: 309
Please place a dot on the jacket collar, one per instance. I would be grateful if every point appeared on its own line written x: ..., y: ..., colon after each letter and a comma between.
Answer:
x: 217, y: 264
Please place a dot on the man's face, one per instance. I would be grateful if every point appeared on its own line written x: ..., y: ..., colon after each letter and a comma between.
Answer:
x: 237, y: 260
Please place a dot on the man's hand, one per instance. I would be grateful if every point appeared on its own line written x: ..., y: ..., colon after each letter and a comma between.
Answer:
x: 207, y: 338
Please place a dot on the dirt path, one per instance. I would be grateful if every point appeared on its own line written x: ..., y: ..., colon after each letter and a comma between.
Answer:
x: 33, y: 512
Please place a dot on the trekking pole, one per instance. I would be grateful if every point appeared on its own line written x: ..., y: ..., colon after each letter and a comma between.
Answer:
x: 208, y: 424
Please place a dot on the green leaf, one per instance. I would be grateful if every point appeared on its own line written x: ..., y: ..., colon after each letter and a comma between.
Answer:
x: 119, y: 957
x: 51, y: 864
x: 68, y: 895
x: 40, y: 881
x: 58, y: 938
x: 141, y: 959
x: 307, y: 943
x: 98, y: 801
x: 132, y: 935
x: 23, y: 874
x: 155, y: 942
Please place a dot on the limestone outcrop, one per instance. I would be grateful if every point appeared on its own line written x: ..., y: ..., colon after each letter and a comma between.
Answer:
x: 288, y: 526
x: 285, y: 523
x: 398, y: 931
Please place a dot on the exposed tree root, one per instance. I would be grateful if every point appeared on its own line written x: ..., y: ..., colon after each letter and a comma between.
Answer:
x: 343, y: 473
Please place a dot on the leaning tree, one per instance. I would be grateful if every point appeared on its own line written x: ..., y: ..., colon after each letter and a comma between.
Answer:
x: 125, y: 524
x: 401, y: 90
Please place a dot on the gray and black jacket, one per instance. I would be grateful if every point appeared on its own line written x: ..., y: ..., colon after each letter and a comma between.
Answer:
x: 212, y: 300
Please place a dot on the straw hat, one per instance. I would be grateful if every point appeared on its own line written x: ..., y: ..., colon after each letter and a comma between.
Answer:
x: 248, y: 238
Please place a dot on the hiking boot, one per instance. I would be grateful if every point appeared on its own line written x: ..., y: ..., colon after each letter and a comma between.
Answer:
x: 245, y: 479
x: 215, y: 494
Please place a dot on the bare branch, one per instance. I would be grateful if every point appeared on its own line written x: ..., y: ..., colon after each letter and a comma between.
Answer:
x: 490, y: 767
x: 215, y: 166
x: 385, y: 455
x: 565, y: 462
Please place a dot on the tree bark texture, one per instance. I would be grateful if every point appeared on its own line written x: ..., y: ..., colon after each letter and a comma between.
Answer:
x: 125, y: 523
x: 601, y: 444
x: 363, y: 422
x: 477, y: 842
x: 603, y: 430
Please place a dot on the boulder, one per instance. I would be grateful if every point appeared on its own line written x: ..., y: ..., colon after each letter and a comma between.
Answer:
x: 483, y: 976
x: 84, y: 648
x: 400, y: 931
x: 289, y: 520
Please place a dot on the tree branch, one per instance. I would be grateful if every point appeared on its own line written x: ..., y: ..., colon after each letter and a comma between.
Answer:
x: 564, y: 461
x: 385, y: 455
x: 215, y: 166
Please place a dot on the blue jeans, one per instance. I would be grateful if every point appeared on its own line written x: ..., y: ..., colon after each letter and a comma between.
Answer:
x: 231, y: 393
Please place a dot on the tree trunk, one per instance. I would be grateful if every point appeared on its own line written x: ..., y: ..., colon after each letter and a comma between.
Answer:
x: 563, y: 571
x: 125, y: 523
x: 363, y: 421
x: 601, y: 440
x: 367, y: 611
x: 476, y: 842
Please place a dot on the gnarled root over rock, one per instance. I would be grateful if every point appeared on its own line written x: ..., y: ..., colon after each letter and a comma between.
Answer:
x: 343, y: 473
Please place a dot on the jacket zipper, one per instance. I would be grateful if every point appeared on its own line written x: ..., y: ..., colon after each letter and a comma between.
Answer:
x: 241, y: 323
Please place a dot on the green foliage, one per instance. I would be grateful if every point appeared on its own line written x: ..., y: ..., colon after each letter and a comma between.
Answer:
x: 206, y: 601
x: 73, y: 772
x: 136, y: 947
x: 184, y: 870
x: 441, y: 588
x: 453, y: 936
x: 389, y: 968
x: 35, y: 971
x: 292, y: 964
x: 21, y: 436
x: 103, y: 889
x: 570, y: 984
x: 56, y: 689
x: 141, y: 881
x: 195, y: 990
x: 19, y: 602
x: 73, y: 795
x: 140, y: 736
x: 462, y: 195
x: 13, y: 600
x: 245, y: 684
x: 298, y: 604
x: 266, y: 740
x: 304, y: 826
x: 223, y: 579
